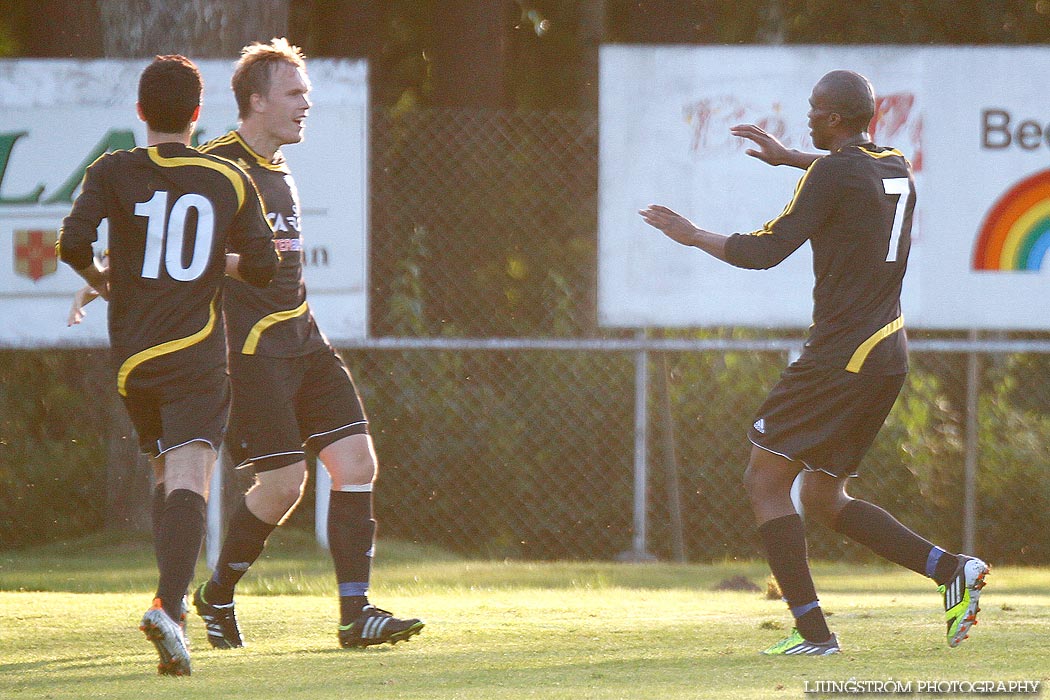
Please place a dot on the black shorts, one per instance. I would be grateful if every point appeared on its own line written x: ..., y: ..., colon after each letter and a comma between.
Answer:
x: 825, y: 418
x: 169, y: 416
x: 284, y: 406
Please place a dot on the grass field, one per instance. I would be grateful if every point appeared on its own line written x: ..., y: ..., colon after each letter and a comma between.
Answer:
x: 69, y: 616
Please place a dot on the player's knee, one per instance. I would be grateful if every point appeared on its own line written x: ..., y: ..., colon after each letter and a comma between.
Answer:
x: 290, y: 495
x: 281, y: 489
x: 822, y: 506
x: 359, y: 473
x: 822, y: 497
x: 351, y: 461
x: 816, y: 507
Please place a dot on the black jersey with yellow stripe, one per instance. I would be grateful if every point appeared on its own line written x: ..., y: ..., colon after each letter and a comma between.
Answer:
x: 855, y: 208
x: 173, y: 212
x: 276, y: 321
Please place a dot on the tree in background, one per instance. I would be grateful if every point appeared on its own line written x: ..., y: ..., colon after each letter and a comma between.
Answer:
x: 496, y: 53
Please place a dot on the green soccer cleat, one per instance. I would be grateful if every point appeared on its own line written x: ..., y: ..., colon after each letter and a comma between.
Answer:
x: 376, y: 626
x: 961, y: 594
x: 797, y: 645
x: 167, y: 638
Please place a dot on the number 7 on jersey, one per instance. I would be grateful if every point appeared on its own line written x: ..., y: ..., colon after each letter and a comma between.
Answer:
x: 896, y: 186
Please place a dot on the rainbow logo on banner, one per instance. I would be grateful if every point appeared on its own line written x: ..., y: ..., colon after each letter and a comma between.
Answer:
x: 1015, y: 235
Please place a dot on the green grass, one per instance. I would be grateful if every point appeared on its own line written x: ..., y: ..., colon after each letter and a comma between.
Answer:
x: 68, y: 618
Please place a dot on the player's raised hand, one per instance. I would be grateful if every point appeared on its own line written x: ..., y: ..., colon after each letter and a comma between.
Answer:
x: 769, y: 150
x: 671, y: 223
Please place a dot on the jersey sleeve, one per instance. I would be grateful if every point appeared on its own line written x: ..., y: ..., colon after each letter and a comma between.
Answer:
x: 809, y: 208
x: 252, y: 237
x: 80, y: 229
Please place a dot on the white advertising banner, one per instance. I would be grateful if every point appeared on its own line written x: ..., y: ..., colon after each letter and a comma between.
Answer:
x: 57, y: 116
x: 973, y: 122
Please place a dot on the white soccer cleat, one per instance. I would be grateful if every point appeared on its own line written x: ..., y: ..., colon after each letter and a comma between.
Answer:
x: 167, y: 637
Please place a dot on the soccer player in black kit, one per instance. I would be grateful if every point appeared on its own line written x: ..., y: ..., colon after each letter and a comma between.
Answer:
x: 855, y: 207
x: 291, y: 391
x: 173, y: 215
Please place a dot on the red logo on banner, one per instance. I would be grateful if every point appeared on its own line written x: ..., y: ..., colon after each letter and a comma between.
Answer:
x: 35, y: 255
x: 897, y: 123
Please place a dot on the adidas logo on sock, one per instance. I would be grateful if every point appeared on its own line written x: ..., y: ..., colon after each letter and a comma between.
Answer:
x: 239, y: 565
x: 760, y: 425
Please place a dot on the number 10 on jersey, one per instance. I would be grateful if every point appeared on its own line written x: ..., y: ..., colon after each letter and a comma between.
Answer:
x: 165, y: 235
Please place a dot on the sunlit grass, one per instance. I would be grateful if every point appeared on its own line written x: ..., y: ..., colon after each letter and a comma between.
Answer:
x: 497, y: 629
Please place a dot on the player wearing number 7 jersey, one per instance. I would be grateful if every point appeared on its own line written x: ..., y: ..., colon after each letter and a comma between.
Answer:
x: 855, y: 208
x: 173, y: 213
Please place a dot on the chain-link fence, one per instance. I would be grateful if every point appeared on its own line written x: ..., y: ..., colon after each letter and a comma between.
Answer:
x: 506, y: 421
x: 484, y: 224
x: 532, y: 452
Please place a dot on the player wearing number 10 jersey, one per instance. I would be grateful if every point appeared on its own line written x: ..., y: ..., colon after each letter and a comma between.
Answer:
x: 173, y: 213
x: 855, y: 207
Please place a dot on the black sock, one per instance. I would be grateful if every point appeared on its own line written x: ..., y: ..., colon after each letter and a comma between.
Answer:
x: 245, y: 538
x: 941, y: 566
x: 785, y: 543
x: 873, y: 527
x: 350, y: 607
x: 179, y: 540
x: 351, y: 536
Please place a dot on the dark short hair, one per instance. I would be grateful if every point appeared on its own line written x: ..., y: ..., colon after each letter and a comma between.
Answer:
x: 851, y: 95
x: 169, y: 91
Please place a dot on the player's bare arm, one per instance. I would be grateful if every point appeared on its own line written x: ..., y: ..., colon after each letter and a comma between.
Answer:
x: 85, y: 295
x: 770, y: 150
x: 232, y: 261
x: 98, y: 277
x: 681, y: 230
x: 81, y: 298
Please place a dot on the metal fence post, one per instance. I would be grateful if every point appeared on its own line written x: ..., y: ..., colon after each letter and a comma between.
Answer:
x: 674, y: 497
x: 638, y: 551
x: 973, y: 380
x: 213, y: 540
x: 323, y: 485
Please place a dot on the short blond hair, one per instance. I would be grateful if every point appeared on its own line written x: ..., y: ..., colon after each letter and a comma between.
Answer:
x: 252, y: 72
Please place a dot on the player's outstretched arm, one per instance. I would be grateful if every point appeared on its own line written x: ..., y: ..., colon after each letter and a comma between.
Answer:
x: 770, y: 150
x: 681, y: 230
x: 83, y: 296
